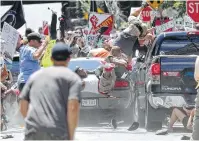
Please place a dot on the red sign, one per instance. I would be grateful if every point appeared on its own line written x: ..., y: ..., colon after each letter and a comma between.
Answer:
x: 146, y: 14
x: 163, y: 25
x: 98, y: 21
x: 193, y: 9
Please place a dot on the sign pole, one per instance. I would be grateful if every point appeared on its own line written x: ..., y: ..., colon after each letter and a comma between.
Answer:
x: 23, y: 13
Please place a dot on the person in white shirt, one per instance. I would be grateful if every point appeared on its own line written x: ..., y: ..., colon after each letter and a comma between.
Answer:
x: 195, y: 135
x: 196, y: 73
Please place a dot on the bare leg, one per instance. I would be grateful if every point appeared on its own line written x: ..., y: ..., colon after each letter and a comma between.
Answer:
x: 176, y: 114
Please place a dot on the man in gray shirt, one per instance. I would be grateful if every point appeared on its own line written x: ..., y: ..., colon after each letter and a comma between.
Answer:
x: 50, y: 99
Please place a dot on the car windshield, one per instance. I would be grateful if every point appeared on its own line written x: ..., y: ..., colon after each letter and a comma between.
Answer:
x: 173, y: 44
x: 89, y: 65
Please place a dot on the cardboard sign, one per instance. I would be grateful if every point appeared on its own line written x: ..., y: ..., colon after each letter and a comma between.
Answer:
x: 97, y: 21
x: 10, y: 36
x: 46, y: 60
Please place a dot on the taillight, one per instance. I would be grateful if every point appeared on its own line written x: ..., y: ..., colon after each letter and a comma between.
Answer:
x: 122, y: 83
x: 177, y: 74
x: 155, y: 69
x: 193, y: 33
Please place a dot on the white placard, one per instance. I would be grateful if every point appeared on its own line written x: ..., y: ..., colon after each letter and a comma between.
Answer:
x: 10, y: 35
x: 164, y: 27
x: 188, y: 22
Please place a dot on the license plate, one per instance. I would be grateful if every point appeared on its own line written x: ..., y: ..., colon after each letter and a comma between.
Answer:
x: 89, y: 102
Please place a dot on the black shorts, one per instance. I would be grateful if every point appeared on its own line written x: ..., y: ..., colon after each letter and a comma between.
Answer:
x: 185, y: 121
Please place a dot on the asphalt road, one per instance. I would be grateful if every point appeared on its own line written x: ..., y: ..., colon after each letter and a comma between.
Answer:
x: 106, y: 133
x: 98, y: 131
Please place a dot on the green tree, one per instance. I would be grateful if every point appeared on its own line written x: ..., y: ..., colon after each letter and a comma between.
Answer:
x: 180, y: 6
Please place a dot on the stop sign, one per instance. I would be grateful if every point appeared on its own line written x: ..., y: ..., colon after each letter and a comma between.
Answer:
x: 193, y: 9
x: 146, y: 14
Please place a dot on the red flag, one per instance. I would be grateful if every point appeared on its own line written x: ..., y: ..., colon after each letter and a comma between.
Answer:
x: 45, y: 28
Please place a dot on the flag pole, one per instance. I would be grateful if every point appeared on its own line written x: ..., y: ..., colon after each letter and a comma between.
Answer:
x: 23, y: 13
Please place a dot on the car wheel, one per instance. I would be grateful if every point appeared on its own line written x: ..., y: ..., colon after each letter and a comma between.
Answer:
x: 138, y: 114
x: 150, y: 114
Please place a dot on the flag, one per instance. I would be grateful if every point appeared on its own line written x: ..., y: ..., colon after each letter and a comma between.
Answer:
x: 45, y: 28
x: 14, y: 16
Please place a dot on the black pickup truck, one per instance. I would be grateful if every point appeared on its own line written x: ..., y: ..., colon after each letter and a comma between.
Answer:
x: 165, y: 78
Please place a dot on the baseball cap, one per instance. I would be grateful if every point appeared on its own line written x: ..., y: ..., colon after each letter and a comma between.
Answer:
x: 34, y: 36
x: 61, y: 52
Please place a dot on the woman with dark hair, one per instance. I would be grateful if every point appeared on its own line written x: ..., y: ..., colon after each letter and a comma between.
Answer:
x: 28, y: 31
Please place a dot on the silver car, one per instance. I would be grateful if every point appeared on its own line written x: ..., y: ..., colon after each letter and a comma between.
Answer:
x: 95, y: 104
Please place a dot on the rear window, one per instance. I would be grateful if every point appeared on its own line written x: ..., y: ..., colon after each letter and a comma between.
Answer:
x: 173, y: 44
x: 89, y: 65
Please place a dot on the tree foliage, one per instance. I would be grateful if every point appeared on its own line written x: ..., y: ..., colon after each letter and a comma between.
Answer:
x: 180, y: 6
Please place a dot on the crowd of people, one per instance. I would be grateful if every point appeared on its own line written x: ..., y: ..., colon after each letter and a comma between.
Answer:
x: 49, y: 99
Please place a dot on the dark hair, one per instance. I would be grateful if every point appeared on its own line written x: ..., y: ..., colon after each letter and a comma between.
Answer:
x: 40, y: 28
x: 77, y: 69
x: 28, y: 31
x: 139, y: 27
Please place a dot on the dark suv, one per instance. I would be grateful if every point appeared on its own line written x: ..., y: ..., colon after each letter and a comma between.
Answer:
x: 165, y: 77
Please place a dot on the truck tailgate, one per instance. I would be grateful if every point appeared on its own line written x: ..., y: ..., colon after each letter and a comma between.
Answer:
x: 177, y: 74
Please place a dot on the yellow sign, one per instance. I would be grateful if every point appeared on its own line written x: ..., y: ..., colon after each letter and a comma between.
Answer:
x: 46, y: 60
x: 155, y: 4
x: 99, y: 10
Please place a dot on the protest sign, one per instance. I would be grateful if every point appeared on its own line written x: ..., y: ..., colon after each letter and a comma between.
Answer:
x: 164, y: 25
x: 10, y: 37
x: 188, y: 22
x: 46, y: 60
x: 97, y: 21
x: 146, y: 14
x: 91, y: 40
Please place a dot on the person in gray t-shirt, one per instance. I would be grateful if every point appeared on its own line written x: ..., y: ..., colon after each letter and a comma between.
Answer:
x: 50, y: 99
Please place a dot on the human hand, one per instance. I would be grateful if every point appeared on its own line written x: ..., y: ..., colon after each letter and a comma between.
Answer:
x: 144, y: 4
x: 45, y: 43
x: 3, y: 87
x: 125, y: 64
x: 129, y: 67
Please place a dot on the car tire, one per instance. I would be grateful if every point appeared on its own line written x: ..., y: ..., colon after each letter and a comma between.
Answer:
x: 138, y: 114
x: 150, y: 123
